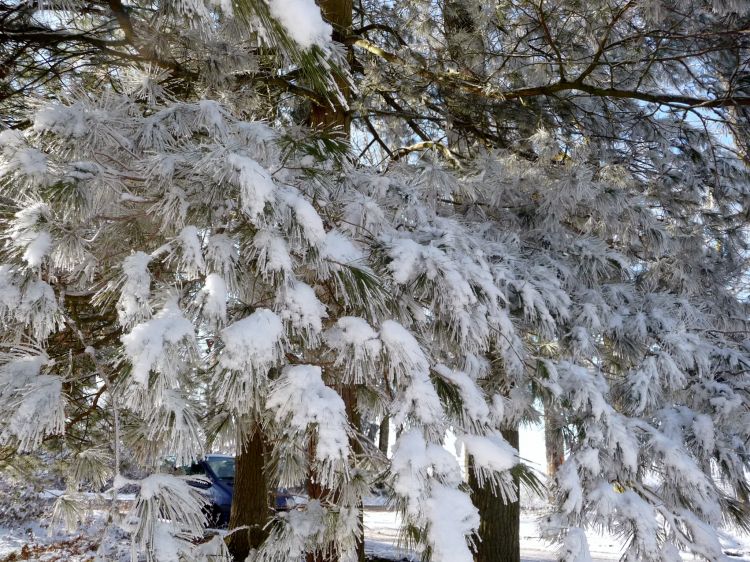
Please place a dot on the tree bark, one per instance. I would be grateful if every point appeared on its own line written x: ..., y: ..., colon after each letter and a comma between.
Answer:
x: 499, y: 530
x: 349, y: 394
x: 250, y: 502
x: 384, y: 434
x: 339, y: 14
x: 337, y: 120
x: 553, y: 438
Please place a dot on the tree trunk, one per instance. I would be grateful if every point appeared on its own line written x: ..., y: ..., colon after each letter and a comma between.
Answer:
x: 553, y: 438
x: 499, y: 530
x: 349, y: 394
x: 384, y: 434
x: 250, y: 501
x: 339, y: 14
x: 337, y: 120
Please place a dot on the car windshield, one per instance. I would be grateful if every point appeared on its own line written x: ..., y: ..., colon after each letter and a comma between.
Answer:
x: 222, y: 467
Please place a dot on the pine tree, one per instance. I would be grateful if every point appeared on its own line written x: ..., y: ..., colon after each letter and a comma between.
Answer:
x: 169, y: 258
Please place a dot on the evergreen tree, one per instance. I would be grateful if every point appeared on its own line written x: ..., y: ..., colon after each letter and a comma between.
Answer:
x: 579, y: 238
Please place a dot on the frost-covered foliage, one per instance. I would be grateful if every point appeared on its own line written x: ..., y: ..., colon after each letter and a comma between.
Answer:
x: 236, y: 276
x: 645, y: 372
x: 186, y: 272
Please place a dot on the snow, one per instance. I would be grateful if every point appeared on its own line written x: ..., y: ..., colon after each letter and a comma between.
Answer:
x: 340, y: 249
x: 415, y: 463
x: 272, y: 252
x: 192, y: 254
x: 305, y: 214
x: 58, y: 119
x: 457, y: 305
x: 405, y: 255
x: 418, y: 401
x: 472, y: 398
x: 37, y: 248
x: 300, y: 398
x: 357, y: 347
x: 212, y: 117
x: 11, y: 138
x: 303, y: 21
x: 26, y: 162
x: 299, y: 306
x: 409, y: 367
x: 383, y: 539
x: 164, y: 499
x: 575, y: 548
x: 146, y: 344
x: 490, y: 452
x: 38, y: 411
x: 133, y: 304
x: 452, y: 518
x: 222, y: 255
x: 214, y: 296
x: 256, y: 185
x: 404, y: 354
x: 252, y: 343
x: 10, y: 294
x: 27, y: 234
x: 129, y: 197
x: 33, y: 400
x: 38, y: 307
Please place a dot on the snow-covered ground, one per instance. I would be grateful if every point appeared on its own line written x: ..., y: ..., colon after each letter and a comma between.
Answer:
x: 33, y: 542
x: 382, y: 540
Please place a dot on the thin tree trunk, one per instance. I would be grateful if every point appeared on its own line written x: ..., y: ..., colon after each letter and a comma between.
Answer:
x: 250, y: 502
x: 553, y: 438
x: 500, y: 526
x: 349, y: 394
x: 384, y: 434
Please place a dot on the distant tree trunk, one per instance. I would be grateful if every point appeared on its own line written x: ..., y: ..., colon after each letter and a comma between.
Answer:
x: 500, y: 526
x: 553, y: 438
x: 250, y: 502
x: 384, y: 434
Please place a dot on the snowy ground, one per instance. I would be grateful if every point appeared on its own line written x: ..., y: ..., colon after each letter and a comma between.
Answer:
x: 32, y: 542
x: 381, y: 532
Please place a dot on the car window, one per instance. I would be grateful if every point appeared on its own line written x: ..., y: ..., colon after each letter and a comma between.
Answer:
x: 195, y: 469
x: 223, y: 467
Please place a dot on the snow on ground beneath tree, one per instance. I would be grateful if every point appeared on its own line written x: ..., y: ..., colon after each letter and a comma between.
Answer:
x: 382, y: 540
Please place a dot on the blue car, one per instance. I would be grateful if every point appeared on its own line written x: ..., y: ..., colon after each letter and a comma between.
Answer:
x: 216, y: 481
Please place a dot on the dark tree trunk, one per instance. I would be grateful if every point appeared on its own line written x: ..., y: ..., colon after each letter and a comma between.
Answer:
x: 250, y: 503
x: 500, y: 527
x: 384, y: 435
x: 349, y: 395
